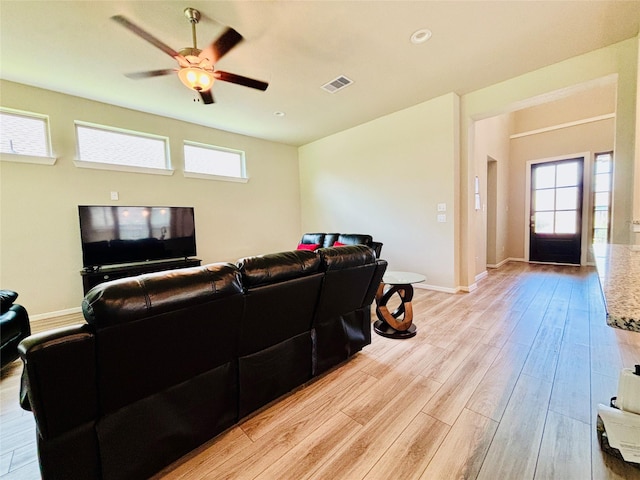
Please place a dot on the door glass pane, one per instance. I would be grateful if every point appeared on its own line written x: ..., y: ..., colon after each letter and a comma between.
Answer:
x: 566, y: 222
x: 544, y: 200
x: 545, y: 177
x: 567, y: 198
x: 567, y: 174
x: 544, y: 222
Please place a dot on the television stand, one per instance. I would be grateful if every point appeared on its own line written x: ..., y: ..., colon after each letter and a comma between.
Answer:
x: 95, y: 276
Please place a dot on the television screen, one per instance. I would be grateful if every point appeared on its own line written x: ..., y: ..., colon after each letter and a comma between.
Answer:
x: 113, y: 235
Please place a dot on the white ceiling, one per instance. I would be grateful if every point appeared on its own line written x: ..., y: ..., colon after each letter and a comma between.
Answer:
x: 297, y: 46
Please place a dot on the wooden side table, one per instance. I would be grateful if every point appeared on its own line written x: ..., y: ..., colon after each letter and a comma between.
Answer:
x: 390, y: 324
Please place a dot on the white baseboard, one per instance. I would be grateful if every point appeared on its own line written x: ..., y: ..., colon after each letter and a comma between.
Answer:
x: 481, y: 275
x: 59, y: 313
x: 499, y: 264
x: 468, y: 289
x: 437, y: 288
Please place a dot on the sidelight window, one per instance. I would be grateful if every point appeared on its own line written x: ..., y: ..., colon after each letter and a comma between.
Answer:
x: 602, y: 176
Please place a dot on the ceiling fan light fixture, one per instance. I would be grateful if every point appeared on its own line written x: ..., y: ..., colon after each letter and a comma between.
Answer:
x: 196, y: 78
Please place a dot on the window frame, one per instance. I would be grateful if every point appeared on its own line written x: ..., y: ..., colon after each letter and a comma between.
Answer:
x: 49, y: 159
x: 80, y: 163
x: 244, y: 178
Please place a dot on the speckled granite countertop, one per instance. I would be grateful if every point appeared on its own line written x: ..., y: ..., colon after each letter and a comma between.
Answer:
x: 619, y: 271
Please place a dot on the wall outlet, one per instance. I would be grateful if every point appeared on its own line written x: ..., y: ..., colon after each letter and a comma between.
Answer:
x: 114, y: 195
x: 442, y: 218
x: 442, y: 207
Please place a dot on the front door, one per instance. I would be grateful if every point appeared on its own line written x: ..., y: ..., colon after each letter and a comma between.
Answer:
x: 556, y: 212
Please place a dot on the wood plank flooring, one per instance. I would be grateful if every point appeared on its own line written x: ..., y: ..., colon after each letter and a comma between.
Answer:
x: 500, y: 383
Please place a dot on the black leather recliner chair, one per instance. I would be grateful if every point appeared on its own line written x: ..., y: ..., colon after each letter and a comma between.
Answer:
x: 14, y: 326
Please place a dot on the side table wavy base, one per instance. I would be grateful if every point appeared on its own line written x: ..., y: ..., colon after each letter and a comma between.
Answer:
x: 399, y: 323
x: 384, y: 329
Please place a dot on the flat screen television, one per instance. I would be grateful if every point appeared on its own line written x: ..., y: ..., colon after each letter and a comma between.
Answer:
x: 117, y: 235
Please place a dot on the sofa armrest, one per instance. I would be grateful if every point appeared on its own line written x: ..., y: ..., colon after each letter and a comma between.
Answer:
x: 59, y: 379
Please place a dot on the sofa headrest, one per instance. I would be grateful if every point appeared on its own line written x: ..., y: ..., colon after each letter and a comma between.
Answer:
x: 7, y: 297
x: 330, y: 239
x: 337, y: 258
x: 277, y: 267
x: 355, y: 239
x: 317, y: 238
x: 133, y: 298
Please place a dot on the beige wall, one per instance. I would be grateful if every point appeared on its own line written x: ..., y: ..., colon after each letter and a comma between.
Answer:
x: 491, y: 154
x: 40, y: 254
x: 538, y: 87
x: 386, y: 178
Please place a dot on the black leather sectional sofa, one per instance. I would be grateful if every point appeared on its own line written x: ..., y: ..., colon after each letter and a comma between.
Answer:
x: 169, y: 360
x: 14, y: 326
x: 325, y: 240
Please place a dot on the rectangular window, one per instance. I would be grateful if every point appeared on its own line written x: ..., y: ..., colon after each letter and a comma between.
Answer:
x: 602, y: 175
x: 120, y: 149
x: 24, y: 134
x: 209, y: 161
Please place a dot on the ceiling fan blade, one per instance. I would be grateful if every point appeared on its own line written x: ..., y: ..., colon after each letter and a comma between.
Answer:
x: 145, y: 35
x: 240, y: 80
x: 229, y: 39
x: 207, y: 96
x: 149, y: 74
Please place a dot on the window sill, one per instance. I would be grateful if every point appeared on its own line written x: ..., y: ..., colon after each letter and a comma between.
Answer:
x: 221, y: 178
x: 122, y: 168
x: 17, y: 158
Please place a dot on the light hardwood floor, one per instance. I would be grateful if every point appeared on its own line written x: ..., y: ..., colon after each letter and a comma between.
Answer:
x: 500, y: 383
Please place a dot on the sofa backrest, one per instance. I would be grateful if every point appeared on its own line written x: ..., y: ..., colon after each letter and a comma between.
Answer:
x: 60, y: 371
x: 167, y: 324
x: 167, y: 369
x: 355, y: 239
x: 274, y: 347
x: 324, y: 240
x: 341, y: 326
x: 281, y: 291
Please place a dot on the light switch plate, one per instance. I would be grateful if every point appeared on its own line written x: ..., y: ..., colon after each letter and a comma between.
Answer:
x: 442, y: 218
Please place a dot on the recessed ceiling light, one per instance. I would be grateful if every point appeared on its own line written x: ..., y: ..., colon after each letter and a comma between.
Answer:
x: 420, y: 36
x: 279, y: 114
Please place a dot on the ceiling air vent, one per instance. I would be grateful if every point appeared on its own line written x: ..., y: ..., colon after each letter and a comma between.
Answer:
x: 337, y: 84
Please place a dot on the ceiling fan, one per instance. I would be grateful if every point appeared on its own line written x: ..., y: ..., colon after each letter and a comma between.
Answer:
x: 196, y: 67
